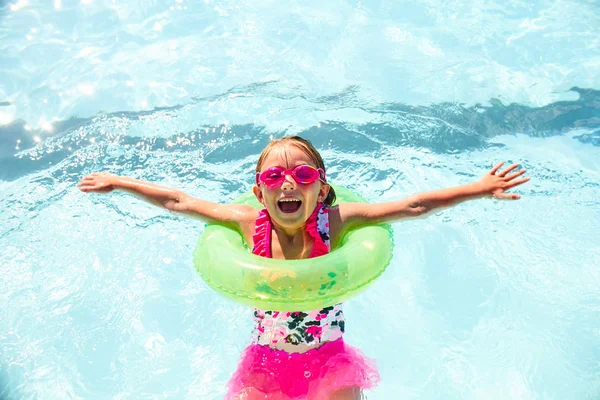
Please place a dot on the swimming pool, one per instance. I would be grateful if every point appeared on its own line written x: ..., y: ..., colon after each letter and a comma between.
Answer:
x: 489, y: 300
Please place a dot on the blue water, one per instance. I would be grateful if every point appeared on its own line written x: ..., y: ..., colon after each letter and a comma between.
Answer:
x: 488, y: 300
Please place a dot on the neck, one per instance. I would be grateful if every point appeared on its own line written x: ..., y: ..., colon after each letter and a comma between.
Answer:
x: 294, y: 244
x: 290, y: 233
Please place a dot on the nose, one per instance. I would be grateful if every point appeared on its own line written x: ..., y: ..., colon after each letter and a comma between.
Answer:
x: 289, y: 183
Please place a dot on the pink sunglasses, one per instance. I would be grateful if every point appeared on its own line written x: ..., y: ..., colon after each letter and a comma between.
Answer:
x: 303, y: 174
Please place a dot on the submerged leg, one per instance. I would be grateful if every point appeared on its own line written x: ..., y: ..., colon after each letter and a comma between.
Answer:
x: 351, y: 393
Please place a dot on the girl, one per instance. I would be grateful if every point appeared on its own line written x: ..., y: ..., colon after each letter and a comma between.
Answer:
x: 302, y: 355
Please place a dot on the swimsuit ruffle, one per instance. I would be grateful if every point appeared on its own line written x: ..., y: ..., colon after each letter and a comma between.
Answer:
x: 262, y: 234
x: 316, y: 374
x: 319, y: 247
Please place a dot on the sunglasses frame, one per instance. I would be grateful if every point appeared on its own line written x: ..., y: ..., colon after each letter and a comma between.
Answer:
x: 322, y: 176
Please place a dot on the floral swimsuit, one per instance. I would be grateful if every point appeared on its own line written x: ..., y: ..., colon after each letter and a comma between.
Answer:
x: 299, y: 330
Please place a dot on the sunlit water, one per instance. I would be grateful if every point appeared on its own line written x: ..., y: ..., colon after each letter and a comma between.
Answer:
x: 488, y: 300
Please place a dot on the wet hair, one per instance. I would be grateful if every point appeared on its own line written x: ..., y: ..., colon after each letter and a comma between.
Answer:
x: 307, y: 148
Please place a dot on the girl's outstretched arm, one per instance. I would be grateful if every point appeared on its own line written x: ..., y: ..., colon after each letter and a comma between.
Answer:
x: 171, y: 199
x: 493, y: 184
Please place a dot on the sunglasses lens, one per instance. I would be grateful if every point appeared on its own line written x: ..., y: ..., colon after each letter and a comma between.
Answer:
x: 272, y: 175
x: 306, y: 174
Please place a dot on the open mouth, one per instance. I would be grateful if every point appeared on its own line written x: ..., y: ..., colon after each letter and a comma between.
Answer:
x: 289, y: 205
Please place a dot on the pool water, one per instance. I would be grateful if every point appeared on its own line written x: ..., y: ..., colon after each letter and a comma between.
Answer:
x: 488, y: 300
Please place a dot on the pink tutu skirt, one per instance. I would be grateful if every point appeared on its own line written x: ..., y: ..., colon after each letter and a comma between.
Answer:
x: 279, y: 375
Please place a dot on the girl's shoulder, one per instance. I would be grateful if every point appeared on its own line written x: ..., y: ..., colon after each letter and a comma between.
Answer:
x: 244, y: 211
x: 346, y: 212
x: 345, y: 216
x: 245, y: 216
x: 229, y: 213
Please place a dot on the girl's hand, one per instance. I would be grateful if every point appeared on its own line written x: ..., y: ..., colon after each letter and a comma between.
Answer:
x: 100, y: 182
x: 497, y: 184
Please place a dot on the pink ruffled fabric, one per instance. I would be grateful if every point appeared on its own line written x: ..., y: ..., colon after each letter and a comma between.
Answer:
x: 262, y: 234
x: 319, y: 247
x: 316, y: 374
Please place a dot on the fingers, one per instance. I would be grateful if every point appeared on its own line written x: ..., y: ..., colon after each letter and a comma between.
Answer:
x: 92, y: 178
x: 496, y: 168
x: 96, y: 189
x: 507, y: 170
x: 507, y: 196
x: 510, y: 196
x: 90, y: 183
x: 517, y: 182
x: 512, y: 176
x: 94, y: 175
x: 88, y: 180
x: 87, y: 186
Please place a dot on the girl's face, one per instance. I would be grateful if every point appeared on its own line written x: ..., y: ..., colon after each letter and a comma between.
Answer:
x: 292, y: 203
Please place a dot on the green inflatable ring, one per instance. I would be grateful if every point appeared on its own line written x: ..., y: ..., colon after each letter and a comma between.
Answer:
x: 224, y: 262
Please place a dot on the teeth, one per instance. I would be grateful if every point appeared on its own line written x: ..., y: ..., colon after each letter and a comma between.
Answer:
x: 288, y: 200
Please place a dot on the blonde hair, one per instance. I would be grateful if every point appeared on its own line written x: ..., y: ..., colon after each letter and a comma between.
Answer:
x: 307, y: 148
